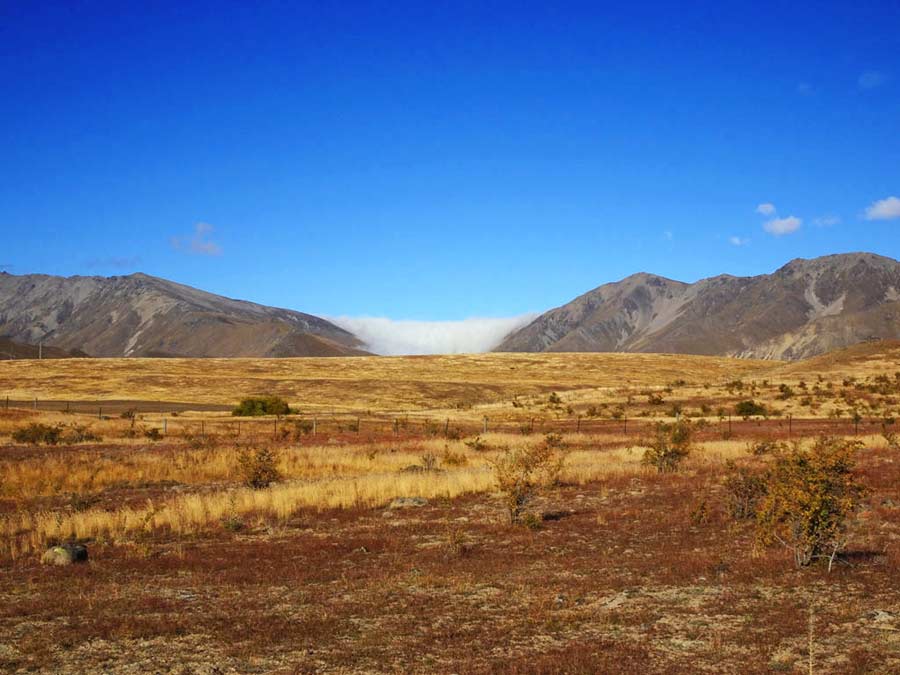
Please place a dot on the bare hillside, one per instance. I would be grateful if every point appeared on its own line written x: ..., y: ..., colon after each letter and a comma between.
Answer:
x: 140, y: 315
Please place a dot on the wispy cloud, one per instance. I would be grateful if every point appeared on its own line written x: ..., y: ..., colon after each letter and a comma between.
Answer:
x: 871, y: 79
x: 884, y: 209
x: 782, y: 226
x: 199, y: 243
x: 738, y: 241
x: 827, y: 220
x: 469, y: 336
x: 125, y: 262
x: 766, y: 208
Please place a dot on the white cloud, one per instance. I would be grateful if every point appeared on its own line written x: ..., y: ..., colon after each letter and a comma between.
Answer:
x: 469, y: 336
x: 884, y: 209
x: 827, y: 221
x: 199, y: 242
x: 871, y: 79
x: 766, y: 208
x: 780, y: 226
x: 738, y: 241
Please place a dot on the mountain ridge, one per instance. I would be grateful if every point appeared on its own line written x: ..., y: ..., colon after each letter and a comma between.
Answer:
x: 143, y: 315
x: 804, y: 308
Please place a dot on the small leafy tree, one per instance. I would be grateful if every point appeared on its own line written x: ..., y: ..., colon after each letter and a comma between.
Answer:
x: 749, y: 408
x: 784, y: 392
x: 669, y: 446
x: 521, y: 473
x: 258, y: 469
x: 810, y: 496
x: 255, y: 406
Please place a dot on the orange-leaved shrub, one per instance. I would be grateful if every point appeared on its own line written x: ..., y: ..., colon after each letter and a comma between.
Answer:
x: 811, y: 494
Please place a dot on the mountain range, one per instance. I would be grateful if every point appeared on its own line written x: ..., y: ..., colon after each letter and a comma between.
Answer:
x: 807, y: 307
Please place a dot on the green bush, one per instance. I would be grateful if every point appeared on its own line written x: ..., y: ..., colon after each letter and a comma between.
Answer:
x: 153, y: 434
x: 784, y: 392
x: 669, y: 446
x: 255, y: 406
x: 749, y: 408
x: 79, y: 433
x: 36, y: 433
x: 302, y: 428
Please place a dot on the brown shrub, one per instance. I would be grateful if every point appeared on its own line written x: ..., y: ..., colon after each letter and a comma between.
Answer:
x: 521, y: 473
x: 258, y: 468
x: 669, y: 446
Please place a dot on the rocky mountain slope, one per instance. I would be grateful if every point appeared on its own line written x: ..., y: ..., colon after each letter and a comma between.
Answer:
x: 11, y: 350
x: 807, y: 307
x: 140, y: 315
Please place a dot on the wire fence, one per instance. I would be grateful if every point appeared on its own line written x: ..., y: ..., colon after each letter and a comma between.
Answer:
x: 167, y: 419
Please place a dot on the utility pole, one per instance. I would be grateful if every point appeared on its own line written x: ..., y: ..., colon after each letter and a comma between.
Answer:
x: 40, y: 351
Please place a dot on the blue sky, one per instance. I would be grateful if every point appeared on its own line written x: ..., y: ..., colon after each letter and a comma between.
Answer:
x: 438, y: 161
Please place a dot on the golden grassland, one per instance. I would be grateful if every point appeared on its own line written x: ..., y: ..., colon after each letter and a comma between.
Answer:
x: 359, y: 383
x: 368, y: 470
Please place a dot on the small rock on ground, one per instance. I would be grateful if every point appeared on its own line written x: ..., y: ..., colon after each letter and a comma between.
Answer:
x: 407, y: 502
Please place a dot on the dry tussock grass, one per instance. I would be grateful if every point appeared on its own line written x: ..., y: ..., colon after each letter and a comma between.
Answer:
x: 358, y: 383
x: 318, y: 477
